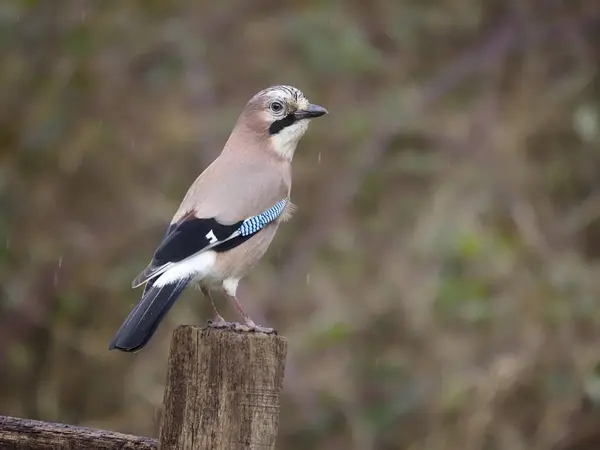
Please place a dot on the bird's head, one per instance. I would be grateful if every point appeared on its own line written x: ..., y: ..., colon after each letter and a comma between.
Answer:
x: 280, y: 114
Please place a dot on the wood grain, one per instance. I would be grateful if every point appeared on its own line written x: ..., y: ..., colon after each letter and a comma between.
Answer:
x: 25, y: 434
x: 222, y: 390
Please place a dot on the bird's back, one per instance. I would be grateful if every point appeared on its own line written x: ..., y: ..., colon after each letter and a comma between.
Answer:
x: 236, y: 186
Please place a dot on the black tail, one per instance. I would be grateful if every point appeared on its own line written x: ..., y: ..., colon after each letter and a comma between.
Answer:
x: 143, y: 320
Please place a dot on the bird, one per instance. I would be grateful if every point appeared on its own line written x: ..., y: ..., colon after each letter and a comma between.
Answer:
x: 227, y: 218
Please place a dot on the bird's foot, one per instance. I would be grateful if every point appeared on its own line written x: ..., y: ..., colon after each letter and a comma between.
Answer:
x: 253, y: 328
x: 221, y: 324
x: 249, y: 327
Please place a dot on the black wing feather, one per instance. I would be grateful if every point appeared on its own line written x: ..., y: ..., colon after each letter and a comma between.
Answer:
x: 190, y: 237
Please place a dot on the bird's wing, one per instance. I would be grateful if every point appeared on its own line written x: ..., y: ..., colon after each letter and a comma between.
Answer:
x: 219, y: 213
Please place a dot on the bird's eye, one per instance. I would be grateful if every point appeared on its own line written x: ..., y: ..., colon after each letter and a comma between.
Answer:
x: 276, y: 107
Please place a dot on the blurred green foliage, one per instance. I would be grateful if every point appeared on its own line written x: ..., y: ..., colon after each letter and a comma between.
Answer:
x: 439, y: 283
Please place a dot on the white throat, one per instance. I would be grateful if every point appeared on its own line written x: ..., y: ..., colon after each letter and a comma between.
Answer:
x: 285, y: 142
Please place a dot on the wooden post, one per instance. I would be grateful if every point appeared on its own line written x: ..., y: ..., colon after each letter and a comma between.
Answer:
x: 222, y: 390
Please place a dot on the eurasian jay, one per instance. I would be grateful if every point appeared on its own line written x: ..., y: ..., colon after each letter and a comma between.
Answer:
x: 228, y: 217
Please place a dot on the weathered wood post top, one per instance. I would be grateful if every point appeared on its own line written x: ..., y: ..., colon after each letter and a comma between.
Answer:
x: 222, y: 390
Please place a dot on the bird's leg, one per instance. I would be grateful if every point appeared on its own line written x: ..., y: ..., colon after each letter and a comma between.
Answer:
x: 217, y: 321
x: 230, y: 288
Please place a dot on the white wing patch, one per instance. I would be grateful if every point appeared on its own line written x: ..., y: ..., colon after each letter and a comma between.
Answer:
x: 211, y: 237
x: 196, y: 266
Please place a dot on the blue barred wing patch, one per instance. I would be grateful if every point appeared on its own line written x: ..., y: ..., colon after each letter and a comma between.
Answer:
x: 256, y: 223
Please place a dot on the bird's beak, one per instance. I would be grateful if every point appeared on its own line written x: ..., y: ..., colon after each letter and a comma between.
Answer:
x: 310, y: 112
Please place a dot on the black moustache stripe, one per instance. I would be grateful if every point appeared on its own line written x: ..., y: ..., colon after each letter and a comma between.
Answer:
x: 280, y: 124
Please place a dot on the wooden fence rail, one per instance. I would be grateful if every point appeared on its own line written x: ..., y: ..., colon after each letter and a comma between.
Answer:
x: 24, y: 434
x: 222, y: 393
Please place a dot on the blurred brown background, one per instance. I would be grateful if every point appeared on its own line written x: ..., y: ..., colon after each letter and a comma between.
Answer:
x: 439, y: 285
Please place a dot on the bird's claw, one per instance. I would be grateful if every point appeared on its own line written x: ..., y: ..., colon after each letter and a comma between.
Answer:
x: 253, y: 328
x: 242, y: 328
x: 221, y: 324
